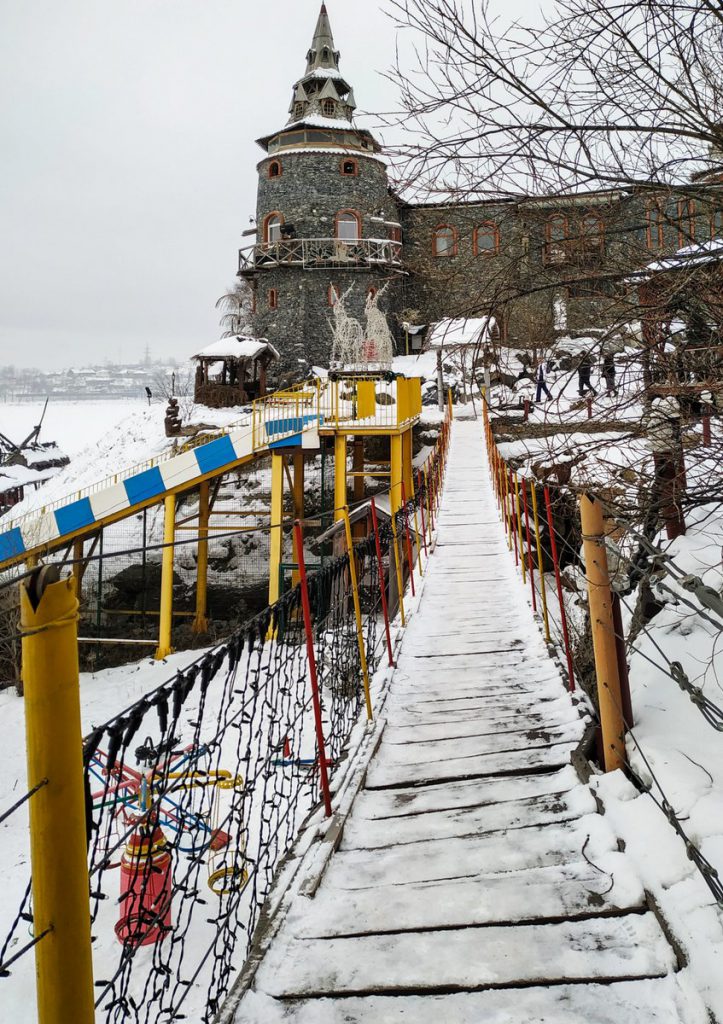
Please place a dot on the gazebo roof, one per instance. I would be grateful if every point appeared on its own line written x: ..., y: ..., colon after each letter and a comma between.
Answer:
x: 461, y: 332
x: 241, y: 348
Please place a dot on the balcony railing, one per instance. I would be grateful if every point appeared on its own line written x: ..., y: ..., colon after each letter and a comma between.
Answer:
x: 321, y: 254
x: 572, y: 250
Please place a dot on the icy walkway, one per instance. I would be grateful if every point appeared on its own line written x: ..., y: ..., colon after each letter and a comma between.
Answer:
x: 475, y: 879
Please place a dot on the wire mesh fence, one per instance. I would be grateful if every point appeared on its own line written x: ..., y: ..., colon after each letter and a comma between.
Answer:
x: 197, y: 791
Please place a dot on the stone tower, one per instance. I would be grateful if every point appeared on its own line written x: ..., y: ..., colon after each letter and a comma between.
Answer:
x: 327, y: 224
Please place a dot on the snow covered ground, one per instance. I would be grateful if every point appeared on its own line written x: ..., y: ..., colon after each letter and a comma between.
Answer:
x: 73, y: 425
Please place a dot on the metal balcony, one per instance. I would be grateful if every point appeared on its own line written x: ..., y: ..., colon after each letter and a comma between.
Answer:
x: 321, y: 254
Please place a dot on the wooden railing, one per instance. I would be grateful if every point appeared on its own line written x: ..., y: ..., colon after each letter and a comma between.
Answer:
x: 321, y: 253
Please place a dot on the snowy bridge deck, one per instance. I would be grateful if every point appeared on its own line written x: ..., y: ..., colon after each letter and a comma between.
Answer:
x: 475, y: 879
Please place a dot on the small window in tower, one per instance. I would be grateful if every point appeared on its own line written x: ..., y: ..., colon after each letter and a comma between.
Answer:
x: 275, y: 169
x: 371, y: 293
x: 329, y: 108
x: 348, y: 226
x: 349, y: 168
x: 298, y: 110
x: 273, y: 298
x: 333, y: 294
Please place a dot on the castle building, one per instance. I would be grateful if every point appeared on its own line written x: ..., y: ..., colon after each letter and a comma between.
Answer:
x: 329, y: 224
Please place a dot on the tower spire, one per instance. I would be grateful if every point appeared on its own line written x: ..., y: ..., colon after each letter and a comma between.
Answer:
x: 322, y: 53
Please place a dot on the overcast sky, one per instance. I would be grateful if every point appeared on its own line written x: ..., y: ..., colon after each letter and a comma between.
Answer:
x: 127, y: 170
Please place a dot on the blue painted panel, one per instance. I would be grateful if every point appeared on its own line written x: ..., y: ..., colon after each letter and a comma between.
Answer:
x: 215, y: 454
x: 144, y: 485
x: 292, y: 441
x: 11, y: 543
x: 74, y: 516
x: 288, y: 423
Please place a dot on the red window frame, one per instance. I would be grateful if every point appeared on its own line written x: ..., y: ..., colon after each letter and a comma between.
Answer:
x: 333, y: 294
x: 273, y: 298
x: 453, y: 249
x: 275, y: 163
x: 592, y: 240
x: 490, y: 230
x: 353, y: 162
x: 337, y: 221
x: 686, y: 222
x: 654, y: 235
x: 267, y: 221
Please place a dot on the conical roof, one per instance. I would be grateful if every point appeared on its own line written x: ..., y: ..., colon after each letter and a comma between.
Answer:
x: 322, y: 53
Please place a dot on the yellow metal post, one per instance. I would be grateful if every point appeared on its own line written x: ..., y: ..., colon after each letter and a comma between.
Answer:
x: 450, y: 403
x: 200, y: 622
x: 298, y: 492
x: 277, y: 516
x: 603, y: 633
x: 366, y: 399
x: 520, y: 545
x: 166, y: 617
x: 402, y: 400
x: 61, y: 906
x: 397, y: 472
x: 340, y: 498
x: 398, y: 567
x: 540, y: 567
x: 357, y: 613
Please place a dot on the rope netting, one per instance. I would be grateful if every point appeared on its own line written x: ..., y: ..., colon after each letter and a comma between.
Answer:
x: 196, y: 793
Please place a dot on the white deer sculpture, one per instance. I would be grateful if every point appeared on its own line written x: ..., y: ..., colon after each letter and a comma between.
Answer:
x: 379, y: 344
x: 347, y: 333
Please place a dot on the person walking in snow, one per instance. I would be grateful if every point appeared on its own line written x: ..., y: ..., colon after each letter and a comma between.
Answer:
x: 608, y: 372
x: 584, y: 368
x: 541, y: 378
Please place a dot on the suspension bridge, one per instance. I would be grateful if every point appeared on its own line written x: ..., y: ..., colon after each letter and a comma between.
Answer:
x: 475, y: 877
x: 369, y: 803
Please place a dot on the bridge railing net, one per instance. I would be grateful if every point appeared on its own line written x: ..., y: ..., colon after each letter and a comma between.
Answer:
x: 198, y: 790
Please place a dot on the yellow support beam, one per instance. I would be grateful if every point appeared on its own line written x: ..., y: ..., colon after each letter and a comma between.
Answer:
x: 166, y: 620
x: 298, y: 493
x: 61, y: 909
x: 407, y: 468
x: 277, y: 517
x: 403, y: 407
x: 200, y: 622
x: 366, y: 399
x: 397, y: 471
x: 340, y: 498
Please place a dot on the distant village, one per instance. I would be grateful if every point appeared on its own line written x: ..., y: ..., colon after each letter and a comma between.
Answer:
x: 100, y: 381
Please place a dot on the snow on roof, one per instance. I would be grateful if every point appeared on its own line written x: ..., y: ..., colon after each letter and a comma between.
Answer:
x: 463, y: 331
x: 341, y: 150
x: 237, y: 348
x: 319, y: 121
x: 322, y: 73
x: 689, y: 256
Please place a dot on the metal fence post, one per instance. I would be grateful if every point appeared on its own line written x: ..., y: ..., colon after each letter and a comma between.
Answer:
x: 61, y: 905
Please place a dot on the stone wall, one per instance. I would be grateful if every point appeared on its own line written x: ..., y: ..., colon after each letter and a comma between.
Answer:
x: 309, y: 193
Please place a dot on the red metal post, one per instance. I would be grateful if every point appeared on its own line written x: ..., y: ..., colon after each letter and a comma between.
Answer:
x: 530, y: 563
x: 526, y: 413
x: 311, y: 657
x: 410, y: 557
x: 589, y: 408
x: 421, y: 509
x: 558, y: 581
x: 382, y: 588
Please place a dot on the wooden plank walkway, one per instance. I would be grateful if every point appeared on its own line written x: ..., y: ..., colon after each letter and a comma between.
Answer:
x: 475, y: 879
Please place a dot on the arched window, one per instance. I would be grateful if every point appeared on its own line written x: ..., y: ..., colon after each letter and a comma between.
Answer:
x: 275, y: 169
x: 328, y: 108
x: 348, y: 167
x: 592, y: 233
x: 272, y: 227
x: 556, y: 239
x: 655, y: 223
x: 444, y: 241
x: 716, y: 224
x: 273, y: 298
x: 371, y: 292
x: 686, y: 222
x: 333, y: 294
x: 348, y: 226
x: 486, y: 240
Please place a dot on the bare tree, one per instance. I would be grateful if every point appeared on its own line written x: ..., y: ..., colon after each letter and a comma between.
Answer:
x: 598, y: 94
x: 237, y: 306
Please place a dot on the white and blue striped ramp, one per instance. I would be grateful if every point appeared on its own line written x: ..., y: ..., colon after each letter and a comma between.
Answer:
x: 79, y: 513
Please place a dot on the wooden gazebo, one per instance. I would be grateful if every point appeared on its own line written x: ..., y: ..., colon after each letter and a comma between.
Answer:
x: 232, y: 371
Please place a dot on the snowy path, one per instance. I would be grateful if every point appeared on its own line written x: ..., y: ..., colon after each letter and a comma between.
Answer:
x: 475, y: 879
